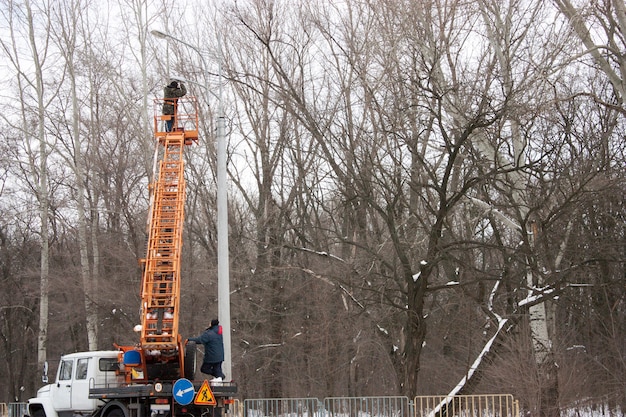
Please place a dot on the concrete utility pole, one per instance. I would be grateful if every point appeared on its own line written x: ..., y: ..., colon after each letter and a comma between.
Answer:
x: 223, y: 278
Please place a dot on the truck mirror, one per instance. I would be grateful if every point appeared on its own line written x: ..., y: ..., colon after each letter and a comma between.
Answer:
x: 44, y: 377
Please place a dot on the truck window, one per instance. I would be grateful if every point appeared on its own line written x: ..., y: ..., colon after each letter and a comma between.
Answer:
x: 65, y: 372
x: 81, y: 368
x: 108, y: 364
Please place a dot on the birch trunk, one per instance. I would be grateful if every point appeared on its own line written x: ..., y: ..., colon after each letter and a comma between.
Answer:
x: 89, y: 284
x: 40, y: 173
x: 36, y: 148
x: 66, y: 35
x: 541, y: 319
x: 604, y: 55
x: 500, y: 34
x: 137, y: 21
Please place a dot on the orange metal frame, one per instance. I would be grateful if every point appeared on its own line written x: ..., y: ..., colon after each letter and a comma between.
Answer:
x: 185, y: 118
x: 160, y: 284
x: 160, y: 291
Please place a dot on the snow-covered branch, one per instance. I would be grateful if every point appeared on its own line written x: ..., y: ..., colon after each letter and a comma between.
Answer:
x: 457, y: 389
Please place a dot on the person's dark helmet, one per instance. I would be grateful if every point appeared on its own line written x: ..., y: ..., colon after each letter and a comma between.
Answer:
x: 214, y: 322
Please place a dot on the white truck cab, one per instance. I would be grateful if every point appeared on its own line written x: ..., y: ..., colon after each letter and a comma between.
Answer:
x: 77, y: 372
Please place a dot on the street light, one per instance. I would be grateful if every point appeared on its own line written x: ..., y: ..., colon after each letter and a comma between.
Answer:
x: 223, y: 280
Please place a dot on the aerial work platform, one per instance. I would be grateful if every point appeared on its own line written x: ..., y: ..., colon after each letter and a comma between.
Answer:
x: 184, y: 120
x: 160, y: 287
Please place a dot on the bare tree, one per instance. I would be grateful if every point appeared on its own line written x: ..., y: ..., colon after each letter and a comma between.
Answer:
x: 66, y: 34
x: 24, y: 18
x: 421, y: 137
x: 600, y: 26
x: 19, y: 252
x: 425, y: 197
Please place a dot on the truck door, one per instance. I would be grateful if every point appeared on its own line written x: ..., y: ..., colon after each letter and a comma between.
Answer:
x: 80, y: 385
x: 62, y: 391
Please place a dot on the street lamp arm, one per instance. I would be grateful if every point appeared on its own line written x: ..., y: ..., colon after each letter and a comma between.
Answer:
x: 163, y: 35
x: 197, y: 84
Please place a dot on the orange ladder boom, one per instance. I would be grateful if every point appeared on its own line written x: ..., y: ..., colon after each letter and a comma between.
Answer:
x: 160, y: 291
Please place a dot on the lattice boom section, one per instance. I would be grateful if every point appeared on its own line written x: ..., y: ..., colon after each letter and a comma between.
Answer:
x: 161, y: 280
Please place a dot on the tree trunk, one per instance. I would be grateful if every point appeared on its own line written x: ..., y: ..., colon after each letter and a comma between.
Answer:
x: 541, y: 321
x: 66, y: 34
x: 41, y: 179
x: 415, y: 334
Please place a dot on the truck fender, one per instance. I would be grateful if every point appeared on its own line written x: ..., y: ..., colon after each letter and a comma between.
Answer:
x: 113, y: 408
x: 41, y: 407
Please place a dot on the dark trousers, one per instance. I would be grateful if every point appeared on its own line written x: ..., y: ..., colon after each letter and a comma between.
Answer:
x: 214, y: 368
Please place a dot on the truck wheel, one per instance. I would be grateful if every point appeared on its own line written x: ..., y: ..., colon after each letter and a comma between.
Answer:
x: 190, y: 360
x: 115, y: 412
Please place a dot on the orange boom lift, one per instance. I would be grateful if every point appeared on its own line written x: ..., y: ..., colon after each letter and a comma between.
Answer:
x: 160, y: 352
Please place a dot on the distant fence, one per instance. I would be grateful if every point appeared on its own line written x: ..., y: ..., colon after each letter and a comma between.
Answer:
x: 367, y: 407
x: 490, y: 405
x: 283, y: 407
x: 236, y: 408
x: 13, y: 409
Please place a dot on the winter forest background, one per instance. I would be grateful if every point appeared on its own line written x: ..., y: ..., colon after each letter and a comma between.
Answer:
x: 409, y: 182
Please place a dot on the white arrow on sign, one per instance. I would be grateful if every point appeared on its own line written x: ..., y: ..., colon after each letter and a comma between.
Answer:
x: 182, y: 392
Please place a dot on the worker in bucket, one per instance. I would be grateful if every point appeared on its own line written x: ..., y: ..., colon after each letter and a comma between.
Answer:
x: 171, y: 93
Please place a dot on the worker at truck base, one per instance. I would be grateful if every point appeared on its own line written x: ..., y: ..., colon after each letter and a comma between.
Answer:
x: 213, y: 343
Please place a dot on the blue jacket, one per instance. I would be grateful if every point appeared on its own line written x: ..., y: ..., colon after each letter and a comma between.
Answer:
x: 213, y: 344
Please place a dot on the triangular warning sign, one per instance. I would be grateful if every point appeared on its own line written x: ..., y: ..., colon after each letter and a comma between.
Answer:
x: 205, y: 395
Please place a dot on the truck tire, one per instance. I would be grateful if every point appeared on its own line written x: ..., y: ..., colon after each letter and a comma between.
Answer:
x: 115, y: 412
x: 190, y: 360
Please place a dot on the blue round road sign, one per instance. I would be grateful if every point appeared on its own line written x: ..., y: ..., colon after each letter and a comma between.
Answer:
x: 183, y: 391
